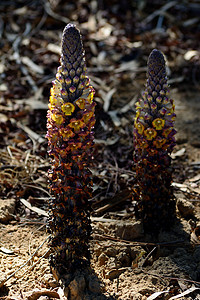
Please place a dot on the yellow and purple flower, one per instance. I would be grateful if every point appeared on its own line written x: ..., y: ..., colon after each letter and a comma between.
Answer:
x: 153, y: 142
x: 70, y: 122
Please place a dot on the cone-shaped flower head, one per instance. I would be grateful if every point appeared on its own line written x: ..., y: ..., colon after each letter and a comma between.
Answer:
x: 70, y: 120
x: 153, y: 142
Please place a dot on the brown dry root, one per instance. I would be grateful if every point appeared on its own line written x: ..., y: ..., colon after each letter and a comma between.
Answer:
x: 153, y: 141
x: 70, y: 121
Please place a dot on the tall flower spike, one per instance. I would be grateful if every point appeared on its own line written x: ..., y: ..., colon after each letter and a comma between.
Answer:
x: 153, y: 142
x: 70, y: 120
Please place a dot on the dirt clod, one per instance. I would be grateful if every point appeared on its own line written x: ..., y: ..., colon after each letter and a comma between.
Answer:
x: 76, y: 288
x: 185, y: 207
x: 7, y: 208
x: 129, y: 230
x: 102, y: 259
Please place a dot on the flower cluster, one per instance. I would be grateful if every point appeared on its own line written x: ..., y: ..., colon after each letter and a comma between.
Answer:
x: 70, y: 120
x: 153, y: 142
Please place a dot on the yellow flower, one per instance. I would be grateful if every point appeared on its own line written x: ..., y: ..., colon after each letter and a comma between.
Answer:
x: 72, y: 146
x: 87, y: 117
x: 90, y: 96
x: 67, y: 166
x: 150, y: 133
x: 76, y: 124
x: 55, y: 101
x: 55, y: 90
x: 86, y: 92
x: 63, y: 153
x: 158, y: 123
x: 140, y: 127
x: 166, y: 132
x: 87, y: 81
x: 138, y: 113
x: 68, y: 108
x: 59, y: 69
x: 58, y: 119
x: 91, y: 124
x: 172, y: 109
x: 53, y: 138
x: 159, y: 142
x: 137, y: 105
x: 66, y: 134
x: 52, y: 91
x: 81, y: 103
x: 143, y: 143
x: 60, y: 78
x: 152, y: 152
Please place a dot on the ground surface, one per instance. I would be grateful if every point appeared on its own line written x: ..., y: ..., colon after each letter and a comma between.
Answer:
x: 118, y: 38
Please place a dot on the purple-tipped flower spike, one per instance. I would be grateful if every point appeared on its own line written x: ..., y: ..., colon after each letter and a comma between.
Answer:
x: 70, y: 120
x: 153, y: 142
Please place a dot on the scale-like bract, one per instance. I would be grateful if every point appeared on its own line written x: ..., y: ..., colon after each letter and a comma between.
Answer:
x: 70, y: 120
x: 153, y: 142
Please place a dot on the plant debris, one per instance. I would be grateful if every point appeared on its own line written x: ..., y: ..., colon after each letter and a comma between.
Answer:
x: 118, y: 37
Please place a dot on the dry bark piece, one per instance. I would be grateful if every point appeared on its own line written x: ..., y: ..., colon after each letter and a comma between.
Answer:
x: 37, y: 294
x: 114, y: 273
